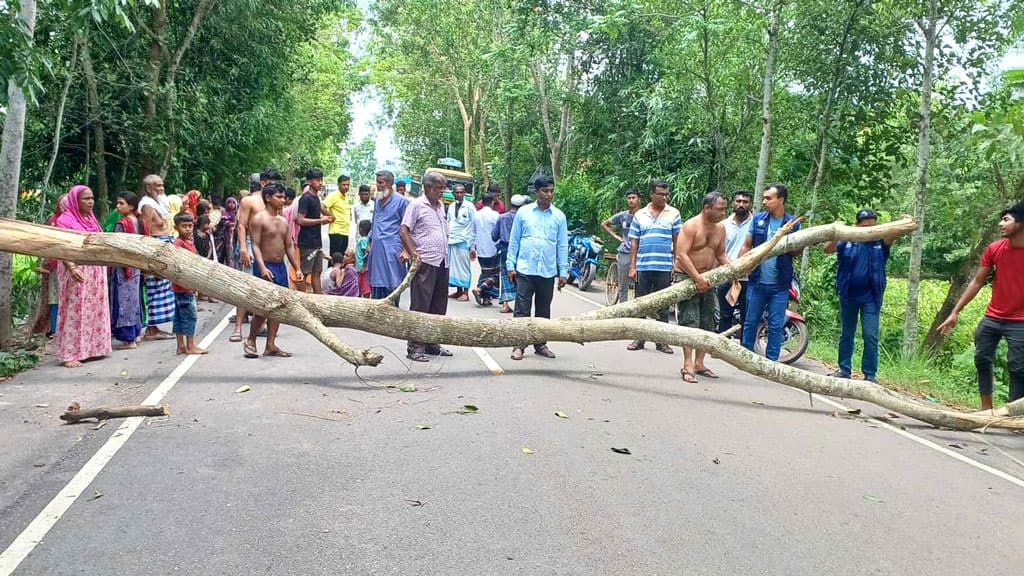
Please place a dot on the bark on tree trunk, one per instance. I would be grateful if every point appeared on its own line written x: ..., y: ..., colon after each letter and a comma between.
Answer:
x: 314, y: 313
x: 74, y: 414
x: 59, y: 123
x: 95, y: 113
x: 156, y: 53
x: 10, y: 171
x: 482, y: 146
x: 768, y: 91
x: 928, y: 27
x: 508, y: 155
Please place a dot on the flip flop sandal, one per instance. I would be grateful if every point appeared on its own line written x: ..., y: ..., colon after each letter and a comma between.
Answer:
x: 634, y: 346
x: 159, y: 336
x: 236, y: 337
x: 278, y: 354
x: 249, y: 351
x: 688, y: 377
x: 417, y: 357
x: 478, y: 297
x: 706, y: 372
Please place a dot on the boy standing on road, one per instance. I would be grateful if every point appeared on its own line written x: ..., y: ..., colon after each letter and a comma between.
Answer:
x: 271, y: 244
x: 310, y: 217
x: 1004, y: 317
x: 623, y: 220
x: 336, y: 206
x: 185, y: 298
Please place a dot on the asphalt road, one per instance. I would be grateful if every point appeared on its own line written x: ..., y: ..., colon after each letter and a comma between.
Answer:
x: 316, y: 470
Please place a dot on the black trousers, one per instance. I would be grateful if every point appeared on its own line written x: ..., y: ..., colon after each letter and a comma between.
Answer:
x: 339, y: 243
x: 428, y: 293
x: 533, y: 292
x: 648, y: 282
x: 726, y: 310
x: 986, y: 338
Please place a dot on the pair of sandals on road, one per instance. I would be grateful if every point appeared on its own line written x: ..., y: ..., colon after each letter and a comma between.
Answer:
x: 425, y: 356
x: 250, y: 351
x: 691, y: 377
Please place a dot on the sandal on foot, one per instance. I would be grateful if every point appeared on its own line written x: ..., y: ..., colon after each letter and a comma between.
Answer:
x: 417, y: 357
x: 664, y: 348
x: 706, y: 372
x: 479, y: 298
x: 249, y: 350
x: 277, y: 353
x: 635, y: 346
x: 688, y: 377
x: 159, y: 335
x: 517, y: 353
x: 235, y: 337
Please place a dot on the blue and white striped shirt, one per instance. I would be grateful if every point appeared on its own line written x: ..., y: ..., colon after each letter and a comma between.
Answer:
x: 654, y: 237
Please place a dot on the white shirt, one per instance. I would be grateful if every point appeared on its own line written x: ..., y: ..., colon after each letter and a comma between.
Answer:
x: 363, y: 211
x: 483, y: 225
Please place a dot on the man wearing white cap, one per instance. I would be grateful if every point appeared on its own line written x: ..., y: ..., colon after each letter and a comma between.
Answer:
x: 500, y: 235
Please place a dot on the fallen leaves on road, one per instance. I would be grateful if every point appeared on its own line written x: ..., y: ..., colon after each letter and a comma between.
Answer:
x: 407, y: 388
x: 124, y: 373
x: 41, y: 405
x: 874, y: 499
x: 854, y: 411
x: 100, y: 425
x: 242, y: 388
x: 561, y: 414
x: 527, y: 451
x: 468, y: 409
x: 716, y: 460
x: 757, y: 403
x: 96, y: 495
x: 621, y: 450
x: 414, y: 503
x: 423, y: 426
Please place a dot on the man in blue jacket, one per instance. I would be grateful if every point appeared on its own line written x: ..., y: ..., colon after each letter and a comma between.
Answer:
x: 860, y: 283
x: 769, y: 282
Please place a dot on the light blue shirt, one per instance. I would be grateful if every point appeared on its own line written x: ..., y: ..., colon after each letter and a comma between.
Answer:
x: 539, y: 243
x: 770, y: 267
x: 736, y: 235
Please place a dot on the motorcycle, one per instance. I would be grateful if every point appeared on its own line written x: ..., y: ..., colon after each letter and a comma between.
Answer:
x: 585, y: 252
x: 795, y: 336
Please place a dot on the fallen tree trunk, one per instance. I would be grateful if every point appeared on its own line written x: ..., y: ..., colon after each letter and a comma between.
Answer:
x: 75, y: 414
x: 315, y: 313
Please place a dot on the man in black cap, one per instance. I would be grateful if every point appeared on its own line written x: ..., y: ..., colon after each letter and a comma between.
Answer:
x: 860, y: 283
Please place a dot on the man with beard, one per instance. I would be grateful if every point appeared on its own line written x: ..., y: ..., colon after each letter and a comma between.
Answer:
x: 159, y: 297
x: 699, y: 248
x: 386, y: 262
x: 736, y: 229
x: 460, y: 240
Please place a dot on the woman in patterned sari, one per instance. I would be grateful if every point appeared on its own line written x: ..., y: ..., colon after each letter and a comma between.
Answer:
x: 83, y: 318
x: 126, y: 283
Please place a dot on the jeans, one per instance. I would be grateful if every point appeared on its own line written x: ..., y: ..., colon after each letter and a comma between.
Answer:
x: 986, y: 338
x: 533, y: 292
x: 869, y: 318
x: 727, y: 311
x: 623, y: 261
x: 775, y: 298
x: 184, y: 313
x: 649, y: 282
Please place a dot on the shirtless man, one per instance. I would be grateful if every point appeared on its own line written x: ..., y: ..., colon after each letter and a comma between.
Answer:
x: 159, y: 297
x: 699, y: 248
x: 271, y: 244
x: 248, y: 208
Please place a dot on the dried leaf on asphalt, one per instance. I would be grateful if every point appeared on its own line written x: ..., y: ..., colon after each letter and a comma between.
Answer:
x: 621, y: 450
x: 853, y: 411
x: 561, y: 414
x: 527, y: 451
x: 42, y: 405
x: 407, y: 387
x: 874, y: 499
x: 100, y: 425
x: 242, y: 388
x: 758, y: 402
x: 891, y: 415
x: 423, y: 427
x: 957, y: 446
x: 468, y: 409
x: 96, y: 495
x: 124, y: 373
x: 716, y: 460
x: 414, y: 503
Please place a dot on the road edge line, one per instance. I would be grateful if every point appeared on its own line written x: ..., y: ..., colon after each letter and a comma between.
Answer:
x: 33, y: 534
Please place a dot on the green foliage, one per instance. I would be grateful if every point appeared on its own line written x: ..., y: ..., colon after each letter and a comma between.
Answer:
x: 24, y: 286
x: 13, y: 362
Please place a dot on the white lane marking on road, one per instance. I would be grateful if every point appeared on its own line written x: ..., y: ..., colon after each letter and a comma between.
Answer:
x: 574, y: 294
x: 885, y: 425
x: 41, y: 524
x: 925, y: 442
x: 489, y: 361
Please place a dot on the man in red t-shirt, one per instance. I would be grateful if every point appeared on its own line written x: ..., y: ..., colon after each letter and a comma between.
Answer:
x: 1004, y: 317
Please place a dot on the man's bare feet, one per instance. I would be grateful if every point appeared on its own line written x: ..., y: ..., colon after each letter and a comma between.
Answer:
x: 181, y: 350
x: 196, y: 350
x: 72, y: 364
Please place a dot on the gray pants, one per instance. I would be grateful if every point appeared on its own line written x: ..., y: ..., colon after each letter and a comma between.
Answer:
x: 623, y: 262
x: 986, y: 338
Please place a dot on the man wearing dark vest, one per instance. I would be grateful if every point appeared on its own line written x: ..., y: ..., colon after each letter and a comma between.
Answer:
x: 860, y: 284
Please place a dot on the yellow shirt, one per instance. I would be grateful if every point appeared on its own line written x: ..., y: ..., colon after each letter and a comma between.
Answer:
x: 337, y: 204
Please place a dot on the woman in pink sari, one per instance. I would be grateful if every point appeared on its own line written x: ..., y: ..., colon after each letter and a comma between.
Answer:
x: 83, y: 317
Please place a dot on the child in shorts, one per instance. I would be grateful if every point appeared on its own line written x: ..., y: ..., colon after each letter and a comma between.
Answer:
x: 185, y: 298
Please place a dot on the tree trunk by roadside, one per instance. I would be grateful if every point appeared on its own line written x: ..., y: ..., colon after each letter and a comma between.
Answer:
x: 96, y: 115
x: 928, y: 27
x: 152, y: 90
x: 10, y: 171
x: 768, y: 91
x: 481, y: 131
x: 59, y: 122
x: 508, y: 155
x: 315, y: 312
x: 556, y: 141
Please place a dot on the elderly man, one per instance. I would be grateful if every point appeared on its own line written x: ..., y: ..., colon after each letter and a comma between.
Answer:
x: 386, y: 261
x: 424, y: 233
x: 460, y: 240
x: 159, y: 298
x: 500, y: 234
x: 538, y: 252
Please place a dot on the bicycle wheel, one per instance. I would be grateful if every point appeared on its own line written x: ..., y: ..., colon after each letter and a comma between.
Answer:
x: 611, y: 284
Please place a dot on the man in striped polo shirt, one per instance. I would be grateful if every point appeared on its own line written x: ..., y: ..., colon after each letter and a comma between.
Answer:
x: 653, y: 232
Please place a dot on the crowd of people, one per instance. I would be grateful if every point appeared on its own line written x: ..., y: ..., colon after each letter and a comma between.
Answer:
x: 275, y: 233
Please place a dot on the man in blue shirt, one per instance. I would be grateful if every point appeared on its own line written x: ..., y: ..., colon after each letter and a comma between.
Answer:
x: 860, y: 283
x: 769, y: 282
x: 538, y: 252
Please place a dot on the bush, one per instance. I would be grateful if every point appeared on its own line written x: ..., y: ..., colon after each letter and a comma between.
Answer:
x: 14, y: 362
